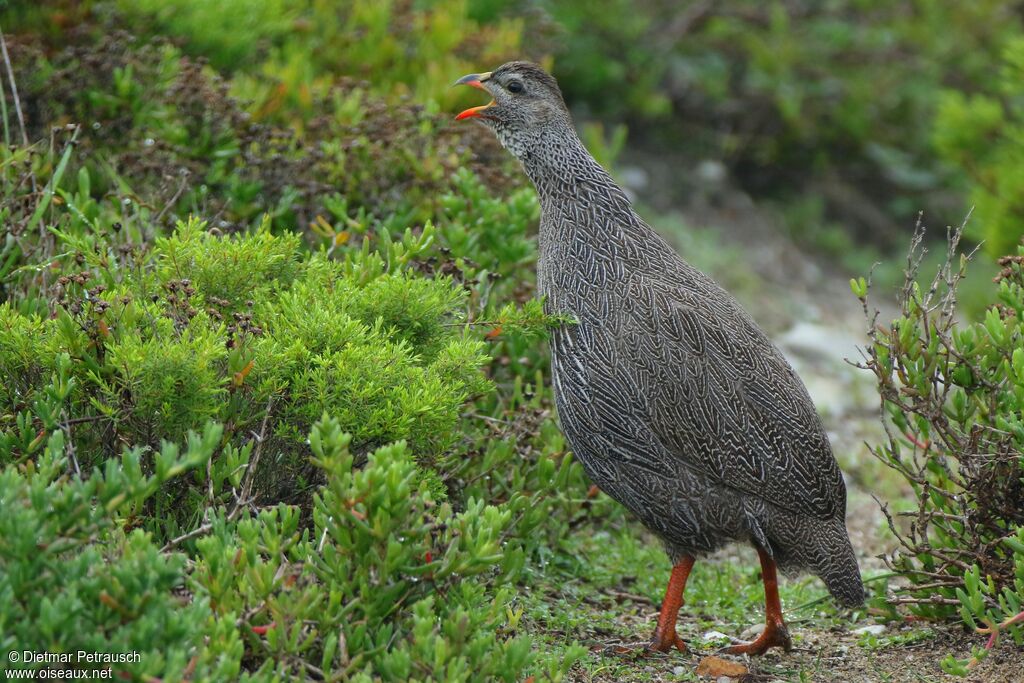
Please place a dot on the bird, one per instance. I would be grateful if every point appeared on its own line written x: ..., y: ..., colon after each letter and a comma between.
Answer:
x: 674, y: 401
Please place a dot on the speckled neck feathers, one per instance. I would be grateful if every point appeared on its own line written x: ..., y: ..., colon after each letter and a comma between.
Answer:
x: 560, y: 167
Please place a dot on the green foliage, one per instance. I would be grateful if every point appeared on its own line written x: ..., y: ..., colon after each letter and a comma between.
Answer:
x: 354, y: 594
x: 488, y: 227
x: 227, y: 33
x: 388, y: 394
x: 72, y: 578
x: 835, y: 99
x: 232, y: 268
x: 408, y: 548
x: 320, y: 270
x: 226, y: 324
x: 401, y: 48
x: 174, y: 381
x: 357, y: 589
x: 953, y: 394
x: 20, y: 363
x: 168, y: 139
x: 984, y: 135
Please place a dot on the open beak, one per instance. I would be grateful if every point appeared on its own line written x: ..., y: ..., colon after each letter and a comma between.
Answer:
x: 477, y: 81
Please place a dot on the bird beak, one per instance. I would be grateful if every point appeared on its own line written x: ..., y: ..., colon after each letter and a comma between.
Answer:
x: 477, y: 81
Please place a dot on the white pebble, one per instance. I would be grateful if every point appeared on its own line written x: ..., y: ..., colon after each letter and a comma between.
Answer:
x: 873, y: 629
x: 715, y: 635
x: 752, y: 632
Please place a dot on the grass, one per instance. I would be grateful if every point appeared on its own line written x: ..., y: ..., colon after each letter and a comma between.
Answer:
x: 602, y: 588
x: 605, y: 588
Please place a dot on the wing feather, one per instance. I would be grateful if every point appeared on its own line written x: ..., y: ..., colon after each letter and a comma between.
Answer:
x: 726, y: 402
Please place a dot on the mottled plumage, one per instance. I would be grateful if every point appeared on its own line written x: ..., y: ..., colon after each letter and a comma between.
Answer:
x: 675, y: 402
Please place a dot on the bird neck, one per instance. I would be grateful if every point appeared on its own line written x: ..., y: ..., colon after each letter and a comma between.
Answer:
x: 562, y: 170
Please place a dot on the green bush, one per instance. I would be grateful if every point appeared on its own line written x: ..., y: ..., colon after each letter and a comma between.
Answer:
x: 217, y: 327
x: 356, y: 316
x: 353, y: 594
x: 348, y: 579
x: 234, y: 269
x: 163, y: 385
x: 299, y: 48
x: 953, y: 395
x: 983, y: 134
x: 165, y: 138
x: 74, y: 577
x: 228, y: 33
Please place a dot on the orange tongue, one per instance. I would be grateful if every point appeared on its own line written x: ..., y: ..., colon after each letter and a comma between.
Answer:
x: 473, y: 112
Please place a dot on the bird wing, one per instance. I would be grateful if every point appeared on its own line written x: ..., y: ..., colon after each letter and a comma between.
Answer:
x: 719, y: 397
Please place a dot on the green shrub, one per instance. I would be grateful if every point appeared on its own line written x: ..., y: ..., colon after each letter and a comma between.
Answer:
x: 173, y: 382
x: 983, y: 134
x: 227, y: 323
x: 354, y: 594
x: 165, y: 139
x: 252, y: 331
x: 953, y: 395
x: 297, y: 48
x: 21, y: 364
x: 228, y: 33
x: 234, y: 269
x: 325, y: 248
x: 73, y: 578
x: 490, y: 228
x: 382, y: 394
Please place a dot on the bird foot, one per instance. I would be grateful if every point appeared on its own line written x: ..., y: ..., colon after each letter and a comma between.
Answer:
x: 641, y: 650
x: 664, y: 642
x: 774, y: 635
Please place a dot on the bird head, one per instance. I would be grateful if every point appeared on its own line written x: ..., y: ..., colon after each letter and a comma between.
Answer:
x: 525, y: 102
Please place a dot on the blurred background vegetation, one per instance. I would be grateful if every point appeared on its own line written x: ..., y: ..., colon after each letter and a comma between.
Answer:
x: 257, y: 281
x: 852, y: 115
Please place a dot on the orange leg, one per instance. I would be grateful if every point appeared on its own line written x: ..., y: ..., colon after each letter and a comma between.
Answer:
x: 775, y: 633
x: 665, y: 637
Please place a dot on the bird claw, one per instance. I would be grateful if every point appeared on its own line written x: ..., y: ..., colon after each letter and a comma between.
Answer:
x: 665, y: 642
x: 774, y: 635
x: 641, y: 650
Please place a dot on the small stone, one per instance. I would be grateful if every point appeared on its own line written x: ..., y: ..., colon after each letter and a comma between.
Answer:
x: 679, y: 670
x: 873, y: 629
x: 752, y: 632
x: 724, y: 679
x: 715, y: 635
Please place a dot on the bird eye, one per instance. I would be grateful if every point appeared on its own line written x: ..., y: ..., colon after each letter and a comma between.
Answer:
x: 514, y: 87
